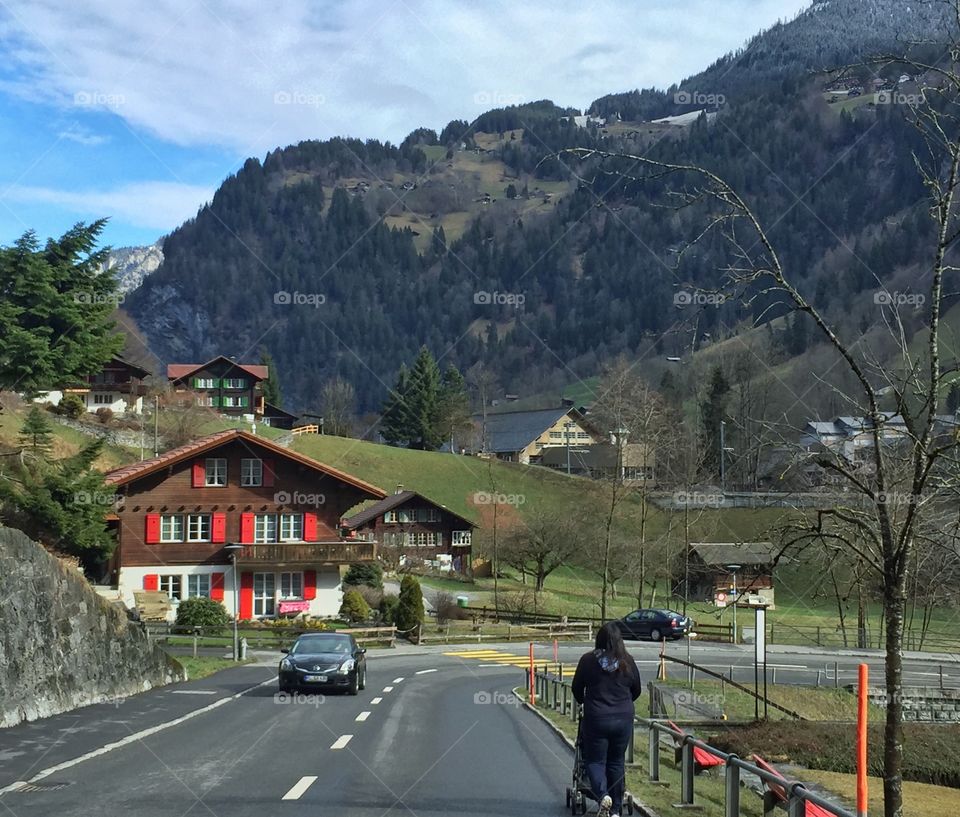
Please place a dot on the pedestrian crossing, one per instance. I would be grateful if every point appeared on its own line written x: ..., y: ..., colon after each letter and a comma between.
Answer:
x: 494, y: 657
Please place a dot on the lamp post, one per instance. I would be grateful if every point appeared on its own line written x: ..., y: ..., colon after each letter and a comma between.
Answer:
x: 733, y: 569
x: 236, y: 600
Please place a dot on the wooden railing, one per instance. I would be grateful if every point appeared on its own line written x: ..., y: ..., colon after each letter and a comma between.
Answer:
x: 311, y: 429
x: 308, y: 553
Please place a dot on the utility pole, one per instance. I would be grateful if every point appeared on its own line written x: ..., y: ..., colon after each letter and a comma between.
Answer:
x: 566, y: 427
x: 156, y: 425
x: 723, y: 449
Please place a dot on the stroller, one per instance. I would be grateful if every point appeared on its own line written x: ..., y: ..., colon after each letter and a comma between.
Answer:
x: 579, y: 790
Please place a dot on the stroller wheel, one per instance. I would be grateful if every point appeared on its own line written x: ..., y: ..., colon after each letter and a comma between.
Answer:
x: 583, y: 804
x: 628, y: 802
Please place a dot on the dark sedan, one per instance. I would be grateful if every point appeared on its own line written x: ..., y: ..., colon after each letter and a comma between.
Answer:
x: 657, y: 625
x: 324, y: 660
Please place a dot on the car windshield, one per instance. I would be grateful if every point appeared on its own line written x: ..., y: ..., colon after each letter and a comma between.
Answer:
x: 321, y: 643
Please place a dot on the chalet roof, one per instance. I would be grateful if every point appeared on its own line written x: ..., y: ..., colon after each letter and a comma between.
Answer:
x: 508, y: 431
x: 270, y: 410
x: 371, y: 512
x: 735, y: 553
x: 178, y: 371
x: 135, y: 370
x: 135, y: 471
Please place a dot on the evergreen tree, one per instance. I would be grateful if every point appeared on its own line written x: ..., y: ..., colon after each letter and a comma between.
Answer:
x: 270, y: 386
x: 410, y: 607
x: 423, y: 402
x: 36, y: 432
x: 55, y: 311
x: 454, y: 405
x: 395, y: 426
x: 713, y: 411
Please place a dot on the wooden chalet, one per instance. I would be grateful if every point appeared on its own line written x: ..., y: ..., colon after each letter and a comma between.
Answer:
x: 221, y: 384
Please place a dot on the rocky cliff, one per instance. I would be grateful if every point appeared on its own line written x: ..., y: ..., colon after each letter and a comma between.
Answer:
x: 61, y: 645
x: 131, y: 265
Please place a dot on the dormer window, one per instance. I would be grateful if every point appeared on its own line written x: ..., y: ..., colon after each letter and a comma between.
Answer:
x: 216, y: 472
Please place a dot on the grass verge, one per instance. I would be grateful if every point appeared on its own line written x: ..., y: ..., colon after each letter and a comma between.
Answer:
x: 204, y: 665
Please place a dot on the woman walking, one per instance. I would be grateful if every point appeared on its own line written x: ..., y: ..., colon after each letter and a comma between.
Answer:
x: 606, y: 682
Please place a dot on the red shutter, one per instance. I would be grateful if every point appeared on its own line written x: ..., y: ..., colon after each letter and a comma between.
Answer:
x: 309, y: 585
x: 246, y: 528
x: 216, y: 586
x: 199, y: 473
x: 152, y: 536
x: 218, y: 529
x: 268, y: 473
x: 151, y: 582
x: 309, y: 527
x: 246, y: 596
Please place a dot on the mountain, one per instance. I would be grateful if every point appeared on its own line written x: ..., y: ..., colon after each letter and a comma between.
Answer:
x: 131, y: 265
x: 342, y: 257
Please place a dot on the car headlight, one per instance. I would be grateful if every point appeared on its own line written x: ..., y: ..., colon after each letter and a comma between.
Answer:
x: 347, y: 666
x: 286, y: 664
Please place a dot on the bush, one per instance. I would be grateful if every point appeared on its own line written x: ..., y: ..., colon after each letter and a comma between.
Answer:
x: 365, y: 573
x: 410, y: 606
x: 71, y: 406
x: 388, y: 608
x: 354, y: 609
x: 104, y: 414
x: 202, y: 612
x: 445, y: 605
x: 370, y: 595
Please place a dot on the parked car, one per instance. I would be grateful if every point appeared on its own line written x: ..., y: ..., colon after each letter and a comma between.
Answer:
x: 323, y: 660
x: 657, y: 625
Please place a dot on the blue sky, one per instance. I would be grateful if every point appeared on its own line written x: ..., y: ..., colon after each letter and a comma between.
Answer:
x: 138, y: 110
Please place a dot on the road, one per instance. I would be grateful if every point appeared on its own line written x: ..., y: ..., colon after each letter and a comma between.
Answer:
x: 432, y: 733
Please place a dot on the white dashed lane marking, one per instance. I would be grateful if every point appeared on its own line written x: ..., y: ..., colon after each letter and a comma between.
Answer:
x: 341, y: 741
x: 388, y: 689
x: 398, y: 680
x: 375, y: 701
x: 425, y: 671
x: 299, y: 788
x: 363, y: 716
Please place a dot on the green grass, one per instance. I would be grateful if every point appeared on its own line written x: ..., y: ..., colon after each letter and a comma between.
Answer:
x: 204, y: 666
x: 920, y: 799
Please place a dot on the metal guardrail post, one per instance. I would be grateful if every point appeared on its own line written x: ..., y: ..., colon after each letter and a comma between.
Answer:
x: 796, y: 805
x: 686, y: 774
x: 731, y: 800
x: 633, y: 732
x: 654, y: 755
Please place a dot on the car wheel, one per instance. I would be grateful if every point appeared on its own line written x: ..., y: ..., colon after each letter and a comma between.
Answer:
x: 354, y: 684
x: 363, y: 679
x: 655, y: 635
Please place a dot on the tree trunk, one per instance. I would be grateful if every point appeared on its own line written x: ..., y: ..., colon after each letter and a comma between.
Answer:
x: 894, y: 603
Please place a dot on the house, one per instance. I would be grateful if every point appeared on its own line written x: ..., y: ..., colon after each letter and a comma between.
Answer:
x: 118, y: 386
x: 417, y: 528
x: 601, y: 461
x: 237, y: 518
x: 223, y: 384
x: 521, y: 436
x: 851, y: 438
x: 712, y: 566
x: 276, y: 417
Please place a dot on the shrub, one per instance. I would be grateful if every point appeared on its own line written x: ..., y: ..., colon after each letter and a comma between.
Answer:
x: 202, y: 612
x: 104, y: 414
x: 365, y: 573
x: 388, y: 608
x: 410, y: 606
x: 370, y: 595
x: 446, y: 608
x: 71, y: 406
x: 354, y: 609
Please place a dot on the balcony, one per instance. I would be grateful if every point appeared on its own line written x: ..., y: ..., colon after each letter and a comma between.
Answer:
x: 307, y: 553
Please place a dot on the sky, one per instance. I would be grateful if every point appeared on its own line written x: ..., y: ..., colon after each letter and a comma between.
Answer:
x: 137, y: 110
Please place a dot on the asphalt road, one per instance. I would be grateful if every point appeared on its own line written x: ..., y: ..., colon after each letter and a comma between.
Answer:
x: 431, y: 734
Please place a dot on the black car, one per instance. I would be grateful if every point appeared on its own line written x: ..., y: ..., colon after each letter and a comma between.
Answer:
x: 324, y: 660
x: 657, y: 625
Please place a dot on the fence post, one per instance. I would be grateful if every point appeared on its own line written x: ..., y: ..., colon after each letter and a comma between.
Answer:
x: 836, y: 675
x: 686, y: 774
x: 732, y: 789
x: 796, y: 805
x: 633, y: 730
x: 654, y: 755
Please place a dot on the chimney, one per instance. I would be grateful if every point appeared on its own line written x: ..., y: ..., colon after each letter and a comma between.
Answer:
x: 399, y: 488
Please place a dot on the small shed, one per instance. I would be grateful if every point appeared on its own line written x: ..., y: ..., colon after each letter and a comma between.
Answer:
x: 713, y: 565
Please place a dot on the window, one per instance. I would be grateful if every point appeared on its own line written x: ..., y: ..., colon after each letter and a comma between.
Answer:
x: 170, y: 585
x: 198, y: 527
x: 422, y: 539
x: 251, y: 473
x: 291, y: 527
x: 291, y: 585
x: 433, y: 515
x: 556, y: 435
x: 216, y: 472
x: 230, y: 402
x: 265, y: 528
x: 234, y: 382
x: 198, y: 586
x: 171, y: 528
x: 206, y: 400
x: 408, y: 516
x: 460, y: 537
x: 264, y: 591
x: 582, y: 435
x: 391, y: 516
x: 204, y: 383
x: 102, y: 398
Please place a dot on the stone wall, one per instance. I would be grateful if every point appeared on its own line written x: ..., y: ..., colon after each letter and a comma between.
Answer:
x: 923, y: 703
x: 62, y: 645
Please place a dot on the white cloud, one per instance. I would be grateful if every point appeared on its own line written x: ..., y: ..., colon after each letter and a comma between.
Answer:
x: 160, y: 206
x: 208, y: 73
x: 82, y: 136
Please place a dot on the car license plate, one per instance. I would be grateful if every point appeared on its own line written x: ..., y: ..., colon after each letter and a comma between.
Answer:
x: 315, y: 679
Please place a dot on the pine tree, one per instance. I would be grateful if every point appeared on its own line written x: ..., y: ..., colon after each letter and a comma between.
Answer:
x: 454, y: 405
x: 713, y: 411
x: 395, y: 426
x: 423, y: 402
x: 36, y: 432
x: 410, y: 607
x: 270, y: 386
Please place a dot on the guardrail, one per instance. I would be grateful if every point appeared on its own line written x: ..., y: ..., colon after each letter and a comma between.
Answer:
x: 555, y: 692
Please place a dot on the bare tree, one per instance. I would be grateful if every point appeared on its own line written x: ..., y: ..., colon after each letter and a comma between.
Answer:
x: 544, y: 542
x: 339, y: 404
